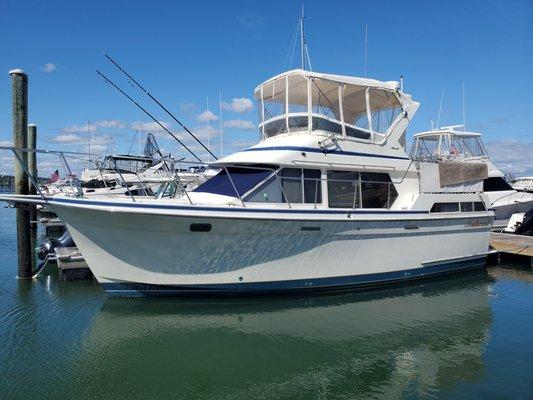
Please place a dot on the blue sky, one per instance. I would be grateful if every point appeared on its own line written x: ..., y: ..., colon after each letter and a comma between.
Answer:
x: 186, y: 52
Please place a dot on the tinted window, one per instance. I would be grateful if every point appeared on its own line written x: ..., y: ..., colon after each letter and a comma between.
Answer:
x: 326, y: 125
x: 495, y: 184
x: 298, y: 123
x: 377, y: 190
x: 479, y: 206
x: 466, y: 207
x: 275, y: 127
x: 292, y: 184
x: 312, y: 187
x: 343, y: 189
x: 243, y: 179
x: 354, y: 132
x: 299, y: 186
x: 445, y: 207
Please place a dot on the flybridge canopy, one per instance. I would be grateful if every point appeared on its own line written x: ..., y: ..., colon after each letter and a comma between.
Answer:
x: 358, y: 108
x: 448, y: 143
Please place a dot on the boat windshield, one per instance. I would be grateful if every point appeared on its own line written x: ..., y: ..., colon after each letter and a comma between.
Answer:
x: 296, y: 102
x: 239, y: 181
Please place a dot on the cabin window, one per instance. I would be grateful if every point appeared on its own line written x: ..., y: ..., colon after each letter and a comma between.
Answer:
x: 243, y: 178
x: 495, y: 184
x: 467, y: 207
x: 294, y: 185
x: 479, y: 206
x: 377, y: 190
x: 347, y: 189
x: 343, y: 189
x: 444, y: 207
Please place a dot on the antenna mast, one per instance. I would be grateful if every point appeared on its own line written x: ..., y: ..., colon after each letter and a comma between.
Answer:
x: 220, y: 119
x: 208, y: 129
x: 89, y: 131
x: 302, y: 40
x: 464, y: 108
x: 366, y: 45
x: 139, y: 132
x: 440, y: 108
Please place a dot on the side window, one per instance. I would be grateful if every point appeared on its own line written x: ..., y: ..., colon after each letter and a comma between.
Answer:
x: 299, y: 186
x: 444, y: 207
x: 343, y: 189
x: 312, y: 186
x: 466, y: 207
x: 479, y: 206
x: 268, y: 192
x: 495, y: 184
x: 378, y: 191
x: 291, y: 179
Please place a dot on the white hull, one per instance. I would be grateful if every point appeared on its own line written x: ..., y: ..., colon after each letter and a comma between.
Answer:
x: 145, y: 252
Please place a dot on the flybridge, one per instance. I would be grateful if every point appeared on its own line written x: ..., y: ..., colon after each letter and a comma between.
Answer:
x: 348, y: 107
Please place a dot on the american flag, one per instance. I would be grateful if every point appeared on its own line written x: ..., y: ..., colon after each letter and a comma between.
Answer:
x: 54, y: 177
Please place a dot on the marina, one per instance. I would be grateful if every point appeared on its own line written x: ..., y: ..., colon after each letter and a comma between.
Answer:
x: 177, y: 228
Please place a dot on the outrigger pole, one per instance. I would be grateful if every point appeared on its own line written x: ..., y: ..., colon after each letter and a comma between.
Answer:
x: 147, y: 113
x: 159, y: 104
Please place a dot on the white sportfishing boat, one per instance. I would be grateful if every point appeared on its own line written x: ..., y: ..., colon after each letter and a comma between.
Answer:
x: 452, y: 143
x: 328, y: 199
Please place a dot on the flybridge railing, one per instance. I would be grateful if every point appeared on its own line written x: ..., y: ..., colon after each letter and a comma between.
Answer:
x: 73, y: 186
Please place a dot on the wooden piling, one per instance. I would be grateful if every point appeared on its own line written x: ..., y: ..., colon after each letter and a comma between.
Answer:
x: 19, y: 88
x: 32, y: 169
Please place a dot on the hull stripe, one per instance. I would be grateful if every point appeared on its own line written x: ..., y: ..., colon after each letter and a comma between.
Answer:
x: 313, y: 150
x: 300, y: 285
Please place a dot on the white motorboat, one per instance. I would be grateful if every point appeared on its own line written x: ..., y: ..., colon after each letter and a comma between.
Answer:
x: 328, y: 199
x: 523, y: 184
x: 451, y: 143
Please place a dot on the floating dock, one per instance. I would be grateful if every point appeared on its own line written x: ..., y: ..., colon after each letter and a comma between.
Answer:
x: 515, y: 249
x: 71, y: 264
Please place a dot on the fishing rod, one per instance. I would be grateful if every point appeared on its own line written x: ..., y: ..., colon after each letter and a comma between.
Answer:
x: 147, y: 113
x: 159, y: 104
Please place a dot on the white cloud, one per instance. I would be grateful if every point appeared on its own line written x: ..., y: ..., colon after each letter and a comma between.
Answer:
x: 6, y: 143
x: 111, y: 123
x: 511, y: 156
x: 239, y: 124
x: 77, y: 128
x: 48, y: 67
x: 207, y: 116
x: 239, y: 105
x: 152, y: 127
x: 68, y: 138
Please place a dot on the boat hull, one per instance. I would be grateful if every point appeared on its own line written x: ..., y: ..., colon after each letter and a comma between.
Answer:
x: 140, y: 253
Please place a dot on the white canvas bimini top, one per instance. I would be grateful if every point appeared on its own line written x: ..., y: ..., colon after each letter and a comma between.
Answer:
x: 351, y: 80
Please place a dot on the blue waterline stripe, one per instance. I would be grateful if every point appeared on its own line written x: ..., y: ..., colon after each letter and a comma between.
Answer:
x: 229, y: 209
x: 313, y: 150
x: 334, y: 283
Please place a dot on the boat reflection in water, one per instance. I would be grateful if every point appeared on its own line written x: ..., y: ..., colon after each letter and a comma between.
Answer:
x: 415, y: 339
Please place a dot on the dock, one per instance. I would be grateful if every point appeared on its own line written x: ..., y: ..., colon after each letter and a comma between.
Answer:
x: 71, y: 265
x: 515, y: 249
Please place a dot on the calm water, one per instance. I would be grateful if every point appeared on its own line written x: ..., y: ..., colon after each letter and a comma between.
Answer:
x: 470, y: 336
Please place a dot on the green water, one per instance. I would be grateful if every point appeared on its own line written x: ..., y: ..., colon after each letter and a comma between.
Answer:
x: 465, y: 337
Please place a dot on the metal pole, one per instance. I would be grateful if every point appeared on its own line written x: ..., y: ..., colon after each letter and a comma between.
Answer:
x: 32, y: 168
x: 19, y: 87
